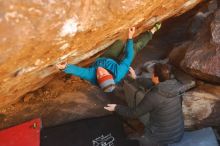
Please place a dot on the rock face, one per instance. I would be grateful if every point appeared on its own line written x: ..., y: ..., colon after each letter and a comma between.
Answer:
x: 36, y: 34
x: 72, y: 100
x: 201, y: 57
x: 201, y: 106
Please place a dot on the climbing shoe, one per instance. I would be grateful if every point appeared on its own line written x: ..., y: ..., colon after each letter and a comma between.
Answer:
x: 157, y: 26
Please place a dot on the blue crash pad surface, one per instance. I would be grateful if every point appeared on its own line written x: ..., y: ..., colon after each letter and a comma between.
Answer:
x: 203, y: 137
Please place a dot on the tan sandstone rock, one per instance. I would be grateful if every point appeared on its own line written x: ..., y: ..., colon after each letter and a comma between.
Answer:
x: 201, y: 106
x: 35, y: 34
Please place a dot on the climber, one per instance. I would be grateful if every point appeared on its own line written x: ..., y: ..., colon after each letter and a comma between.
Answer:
x: 105, y: 71
x: 117, y: 49
x: 162, y: 104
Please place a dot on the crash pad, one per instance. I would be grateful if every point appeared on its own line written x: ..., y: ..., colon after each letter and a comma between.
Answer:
x: 102, y: 131
x: 202, y: 137
x: 26, y: 134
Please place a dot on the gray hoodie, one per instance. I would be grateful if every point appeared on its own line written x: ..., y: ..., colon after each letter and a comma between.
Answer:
x: 163, y: 103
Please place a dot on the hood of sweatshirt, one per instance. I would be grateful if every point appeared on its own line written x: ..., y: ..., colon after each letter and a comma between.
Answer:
x: 169, y: 88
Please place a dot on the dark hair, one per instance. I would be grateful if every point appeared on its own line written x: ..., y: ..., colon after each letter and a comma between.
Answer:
x: 162, y: 71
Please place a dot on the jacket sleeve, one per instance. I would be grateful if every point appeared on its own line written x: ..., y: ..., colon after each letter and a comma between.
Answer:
x: 83, y: 73
x: 129, y: 53
x: 187, y: 86
x: 187, y: 82
x: 145, y: 106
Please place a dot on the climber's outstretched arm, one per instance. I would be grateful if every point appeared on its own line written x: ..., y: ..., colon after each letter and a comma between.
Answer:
x: 83, y: 73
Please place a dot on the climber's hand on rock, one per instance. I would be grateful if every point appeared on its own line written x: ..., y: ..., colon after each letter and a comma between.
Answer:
x: 131, y: 32
x: 132, y: 73
x: 110, y: 107
x: 61, y: 65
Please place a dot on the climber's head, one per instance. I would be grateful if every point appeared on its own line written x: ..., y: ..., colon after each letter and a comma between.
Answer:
x: 161, y: 73
x: 105, y: 80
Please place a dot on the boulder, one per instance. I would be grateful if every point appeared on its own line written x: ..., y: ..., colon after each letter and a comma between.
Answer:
x: 36, y: 34
x: 201, y: 56
x: 201, y: 106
